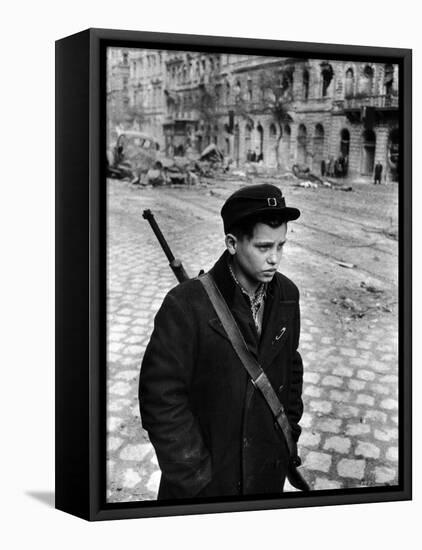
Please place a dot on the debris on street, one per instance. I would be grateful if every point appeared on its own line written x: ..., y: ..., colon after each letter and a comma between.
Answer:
x: 308, y: 185
x: 370, y: 288
x: 362, y: 301
x: 212, y: 153
x: 346, y: 264
x: 304, y: 173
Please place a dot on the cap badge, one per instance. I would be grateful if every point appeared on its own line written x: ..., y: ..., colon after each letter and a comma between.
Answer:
x: 272, y: 201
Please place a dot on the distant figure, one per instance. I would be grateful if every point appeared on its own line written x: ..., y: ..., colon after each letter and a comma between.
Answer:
x: 339, y: 167
x: 342, y: 165
x: 260, y: 157
x: 345, y: 165
x: 323, y: 168
x: 330, y: 167
x: 253, y: 156
x: 377, y: 173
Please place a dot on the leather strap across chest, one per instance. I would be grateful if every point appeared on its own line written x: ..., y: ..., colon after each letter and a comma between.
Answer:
x: 254, y: 369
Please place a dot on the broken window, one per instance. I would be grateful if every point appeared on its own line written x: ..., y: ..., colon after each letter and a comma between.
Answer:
x: 260, y: 131
x: 327, y: 74
x: 305, y: 83
x: 366, y: 80
x: 287, y: 80
x: 350, y: 83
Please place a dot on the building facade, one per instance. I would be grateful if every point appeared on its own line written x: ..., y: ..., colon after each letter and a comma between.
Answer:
x: 280, y: 111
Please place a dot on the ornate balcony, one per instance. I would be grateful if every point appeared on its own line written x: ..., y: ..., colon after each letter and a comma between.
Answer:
x: 380, y: 102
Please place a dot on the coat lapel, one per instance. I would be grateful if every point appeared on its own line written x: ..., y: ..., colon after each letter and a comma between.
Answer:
x: 277, y: 324
x: 278, y: 314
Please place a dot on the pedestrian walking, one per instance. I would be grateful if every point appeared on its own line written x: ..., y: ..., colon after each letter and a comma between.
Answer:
x: 377, y: 173
x: 212, y: 429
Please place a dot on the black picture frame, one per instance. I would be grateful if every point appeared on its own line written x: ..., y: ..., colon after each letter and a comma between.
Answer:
x: 81, y: 284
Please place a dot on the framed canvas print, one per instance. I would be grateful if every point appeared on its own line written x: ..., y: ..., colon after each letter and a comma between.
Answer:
x: 233, y: 274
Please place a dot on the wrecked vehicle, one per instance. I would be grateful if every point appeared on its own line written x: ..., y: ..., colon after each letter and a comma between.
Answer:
x: 133, y: 154
x: 136, y: 156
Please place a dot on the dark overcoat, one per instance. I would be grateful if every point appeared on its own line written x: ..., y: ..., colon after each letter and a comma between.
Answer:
x: 213, y: 433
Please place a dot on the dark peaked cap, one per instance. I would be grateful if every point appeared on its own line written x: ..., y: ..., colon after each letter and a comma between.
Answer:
x: 256, y: 199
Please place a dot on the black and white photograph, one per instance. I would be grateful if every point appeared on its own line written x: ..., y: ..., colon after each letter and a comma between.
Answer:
x: 252, y: 275
x: 210, y: 294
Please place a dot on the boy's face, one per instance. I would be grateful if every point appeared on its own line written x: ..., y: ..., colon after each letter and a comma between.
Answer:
x: 257, y: 259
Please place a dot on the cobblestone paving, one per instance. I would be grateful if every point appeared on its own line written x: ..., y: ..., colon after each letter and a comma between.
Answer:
x: 350, y: 424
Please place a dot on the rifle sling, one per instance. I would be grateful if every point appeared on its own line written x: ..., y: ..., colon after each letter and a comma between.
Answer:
x: 258, y: 377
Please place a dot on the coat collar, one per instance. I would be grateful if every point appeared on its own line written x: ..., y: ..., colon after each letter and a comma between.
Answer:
x: 227, y: 285
x: 278, y: 313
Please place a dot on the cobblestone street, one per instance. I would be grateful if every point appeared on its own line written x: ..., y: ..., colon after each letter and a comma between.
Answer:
x: 349, y: 323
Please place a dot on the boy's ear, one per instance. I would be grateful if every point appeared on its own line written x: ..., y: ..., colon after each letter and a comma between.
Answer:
x: 231, y: 243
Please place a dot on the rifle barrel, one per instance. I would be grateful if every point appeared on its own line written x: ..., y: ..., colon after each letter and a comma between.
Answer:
x: 149, y: 216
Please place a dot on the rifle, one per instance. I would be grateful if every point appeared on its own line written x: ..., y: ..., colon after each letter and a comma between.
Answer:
x: 175, y: 264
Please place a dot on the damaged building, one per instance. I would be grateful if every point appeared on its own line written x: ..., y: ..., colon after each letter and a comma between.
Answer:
x: 320, y: 114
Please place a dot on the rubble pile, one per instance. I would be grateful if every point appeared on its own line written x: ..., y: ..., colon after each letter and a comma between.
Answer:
x: 364, y: 301
x: 136, y: 157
